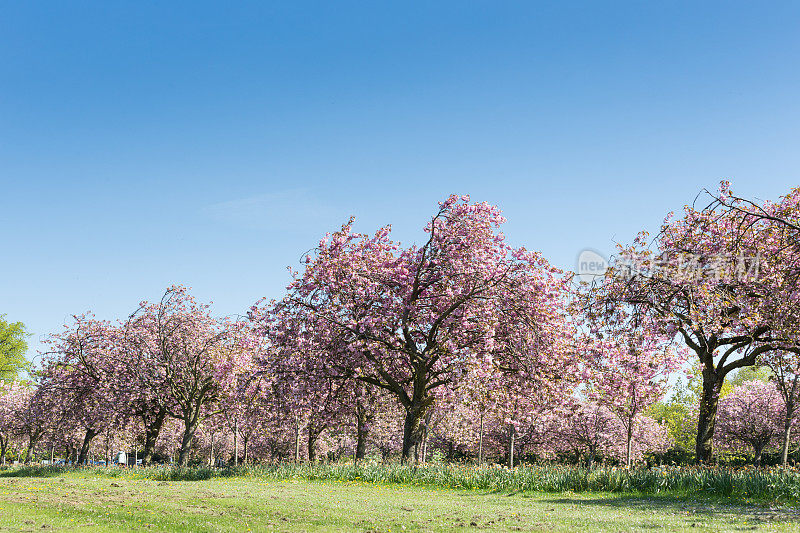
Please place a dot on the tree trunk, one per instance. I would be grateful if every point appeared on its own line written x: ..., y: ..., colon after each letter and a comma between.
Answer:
x: 186, y: 441
x: 152, y: 430
x: 312, y: 442
x: 480, y: 442
x: 361, y: 439
x: 108, y: 452
x: 511, y: 440
x: 297, y: 440
x: 791, y: 412
x: 757, y: 449
x: 628, y: 440
x: 412, y: 429
x: 236, y: 443
x: 3, y: 447
x: 87, y: 441
x: 787, y: 436
x: 707, y: 419
x: 245, y: 439
x: 211, y: 453
x: 31, y: 448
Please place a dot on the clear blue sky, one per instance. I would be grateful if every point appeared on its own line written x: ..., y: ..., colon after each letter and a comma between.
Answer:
x: 212, y: 144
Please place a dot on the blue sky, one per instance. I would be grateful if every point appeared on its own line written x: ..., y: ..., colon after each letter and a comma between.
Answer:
x: 212, y: 144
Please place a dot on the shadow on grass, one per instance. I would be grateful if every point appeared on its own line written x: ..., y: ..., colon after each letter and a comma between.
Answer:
x: 155, y: 473
x: 34, y: 471
x: 697, y: 505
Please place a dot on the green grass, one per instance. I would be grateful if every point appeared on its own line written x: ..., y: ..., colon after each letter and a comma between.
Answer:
x: 93, y: 500
x: 743, y: 485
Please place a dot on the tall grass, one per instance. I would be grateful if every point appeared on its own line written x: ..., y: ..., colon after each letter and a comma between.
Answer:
x: 743, y: 483
x: 772, y: 484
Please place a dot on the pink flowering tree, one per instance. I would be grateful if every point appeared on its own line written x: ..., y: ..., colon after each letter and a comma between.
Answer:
x: 364, y: 402
x: 36, y: 415
x: 649, y: 436
x: 450, y: 426
x: 13, y: 397
x: 214, y: 440
x: 311, y: 394
x: 408, y: 319
x: 138, y: 380
x: 752, y: 415
x: 593, y: 430
x: 185, y: 357
x: 242, y: 410
x: 590, y: 430
x: 79, y: 371
x: 242, y: 392
x: 628, y: 375
x: 480, y: 392
x: 170, y: 439
x: 386, y: 430
x: 528, y: 408
x: 718, y: 278
x: 785, y: 368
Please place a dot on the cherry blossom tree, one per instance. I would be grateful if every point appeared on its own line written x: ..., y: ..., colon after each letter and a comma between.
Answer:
x: 785, y: 368
x: 629, y: 374
x: 386, y: 431
x: 34, y: 417
x: 649, y: 436
x: 13, y: 396
x: 480, y: 393
x: 721, y: 279
x: 365, y: 402
x: 591, y: 430
x: 752, y: 414
x: 529, y: 406
x: 139, y: 383
x: 242, y: 395
x: 450, y: 426
x: 185, y: 356
x: 407, y: 319
x: 310, y: 393
x: 79, y: 370
x: 242, y: 407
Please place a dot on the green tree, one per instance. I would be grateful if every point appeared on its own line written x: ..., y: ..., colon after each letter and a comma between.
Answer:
x: 751, y: 373
x: 12, y: 349
x: 679, y: 414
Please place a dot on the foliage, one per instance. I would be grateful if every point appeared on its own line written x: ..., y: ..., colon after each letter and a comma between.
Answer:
x: 679, y: 415
x: 13, y: 347
x: 751, y: 373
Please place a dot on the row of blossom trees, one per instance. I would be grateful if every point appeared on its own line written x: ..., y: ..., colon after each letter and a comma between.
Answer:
x: 463, y: 345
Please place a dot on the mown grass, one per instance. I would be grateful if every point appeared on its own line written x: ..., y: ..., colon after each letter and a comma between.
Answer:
x: 747, y: 485
x: 90, y: 500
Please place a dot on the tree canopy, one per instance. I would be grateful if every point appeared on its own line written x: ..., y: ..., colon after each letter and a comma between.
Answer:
x: 13, y: 347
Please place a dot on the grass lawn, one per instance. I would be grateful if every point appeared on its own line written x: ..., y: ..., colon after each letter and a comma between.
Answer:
x: 89, y: 503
